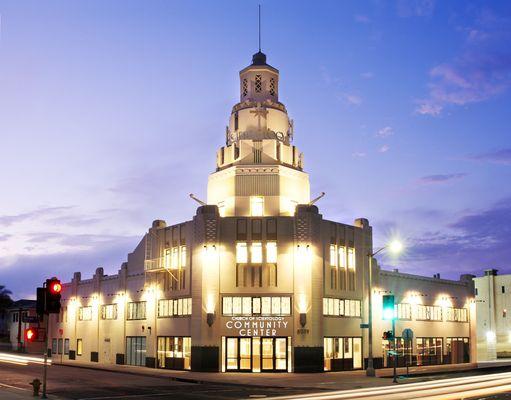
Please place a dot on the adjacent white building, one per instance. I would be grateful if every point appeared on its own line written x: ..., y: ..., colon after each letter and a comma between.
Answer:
x: 493, y: 303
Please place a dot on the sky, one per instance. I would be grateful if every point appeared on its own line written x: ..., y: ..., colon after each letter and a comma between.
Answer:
x: 111, y: 113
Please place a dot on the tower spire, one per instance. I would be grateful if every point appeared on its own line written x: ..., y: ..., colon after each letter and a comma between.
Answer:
x: 259, y: 28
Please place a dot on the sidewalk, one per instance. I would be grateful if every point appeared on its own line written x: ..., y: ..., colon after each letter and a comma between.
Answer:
x: 312, y: 381
x: 8, y: 392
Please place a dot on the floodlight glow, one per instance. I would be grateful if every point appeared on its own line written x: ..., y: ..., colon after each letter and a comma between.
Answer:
x: 395, y: 247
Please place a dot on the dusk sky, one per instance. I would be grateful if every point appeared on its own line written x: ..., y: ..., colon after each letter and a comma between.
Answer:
x: 111, y: 113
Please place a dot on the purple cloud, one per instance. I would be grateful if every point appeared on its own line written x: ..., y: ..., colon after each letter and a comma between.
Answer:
x: 34, y: 214
x: 502, y: 156
x: 385, y: 132
x: 440, y: 178
x: 474, y: 241
x: 28, y: 272
x: 481, y: 71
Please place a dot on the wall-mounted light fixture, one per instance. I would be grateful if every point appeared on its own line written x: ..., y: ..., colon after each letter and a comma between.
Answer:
x: 303, y: 319
x: 209, y: 254
x: 210, y: 318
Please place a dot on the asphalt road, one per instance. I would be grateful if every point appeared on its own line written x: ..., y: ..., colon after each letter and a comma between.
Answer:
x: 87, y: 384
x: 67, y: 382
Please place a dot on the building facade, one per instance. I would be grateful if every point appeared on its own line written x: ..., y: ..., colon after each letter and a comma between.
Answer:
x: 258, y: 280
x: 18, y: 315
x: 493, y: 300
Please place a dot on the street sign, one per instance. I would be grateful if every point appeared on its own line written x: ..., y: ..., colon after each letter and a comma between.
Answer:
x: 30, y: 319
x: 407, y: 334
x: 364, y: 326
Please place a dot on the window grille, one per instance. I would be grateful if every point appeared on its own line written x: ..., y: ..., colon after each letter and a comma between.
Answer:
x: 245, y: 87
x: 258, y: 83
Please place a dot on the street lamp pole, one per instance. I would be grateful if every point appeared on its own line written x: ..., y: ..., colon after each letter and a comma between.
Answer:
x: 370, y: 364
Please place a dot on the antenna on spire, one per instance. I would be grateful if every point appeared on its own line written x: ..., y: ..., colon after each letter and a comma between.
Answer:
x: 259, y: 28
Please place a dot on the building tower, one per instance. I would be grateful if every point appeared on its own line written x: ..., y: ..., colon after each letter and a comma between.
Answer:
x: 258, y: 171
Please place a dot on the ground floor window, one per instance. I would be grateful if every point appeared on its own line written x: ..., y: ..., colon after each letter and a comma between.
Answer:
x: 403, y: 350
x: 174, y: 352
x: 256, y: 354
x: 135, y: 350
x: 342, y: 353
x: 457, y: 350
x: 429, y: 350
x: 79, y: 347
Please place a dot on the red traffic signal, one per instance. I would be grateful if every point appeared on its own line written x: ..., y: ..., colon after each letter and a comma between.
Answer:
x: 53, y: 293
x: 54, y: 286
x: 31, y: 334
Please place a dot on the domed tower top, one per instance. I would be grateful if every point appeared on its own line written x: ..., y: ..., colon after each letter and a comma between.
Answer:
x: 259, y: 81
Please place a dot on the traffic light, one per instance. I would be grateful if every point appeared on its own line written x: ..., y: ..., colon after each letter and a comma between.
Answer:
x: 31, y: 334
x: 388, y: 307
x: 53, y: 295
x: 388, y: 335
x: 41, y: 301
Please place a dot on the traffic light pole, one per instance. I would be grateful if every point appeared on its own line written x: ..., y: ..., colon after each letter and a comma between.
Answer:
x: 395, y: 349
x: 45, y: 365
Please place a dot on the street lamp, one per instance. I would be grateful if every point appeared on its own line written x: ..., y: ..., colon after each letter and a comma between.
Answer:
x: 395, y: 247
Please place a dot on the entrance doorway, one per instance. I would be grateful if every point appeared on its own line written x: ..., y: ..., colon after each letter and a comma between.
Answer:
x: 342, y: 353
x: 256, y: 354
x: 135, y: 350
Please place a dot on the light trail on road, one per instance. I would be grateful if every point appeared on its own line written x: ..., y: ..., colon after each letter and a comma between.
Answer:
x: 445, y: 389
x: 20, y: 359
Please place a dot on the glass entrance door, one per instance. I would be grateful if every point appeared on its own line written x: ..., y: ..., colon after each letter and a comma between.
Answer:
x: 256, y: 354
x: 239, y: 354
x: 267, y: 354
x: 274, y: 354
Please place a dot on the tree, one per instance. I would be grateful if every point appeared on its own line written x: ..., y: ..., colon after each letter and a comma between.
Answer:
x: 5, y: 298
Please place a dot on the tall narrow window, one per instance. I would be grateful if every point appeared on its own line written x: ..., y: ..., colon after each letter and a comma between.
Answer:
x: 256, y: 253
x: 258, y: 83
x: 342, y: 256
x: 236, y: 121
x: 167, y: 259
x: 79, y: 347
x: 351, y: 258
x: 182, y: 257
x: 175, y: 258
x: 256, y: 206
x: 333, y: 256
x: 271, y: 252
x: 241, y: 253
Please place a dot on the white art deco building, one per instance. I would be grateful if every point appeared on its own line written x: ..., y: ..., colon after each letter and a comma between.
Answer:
x: 258, y: 280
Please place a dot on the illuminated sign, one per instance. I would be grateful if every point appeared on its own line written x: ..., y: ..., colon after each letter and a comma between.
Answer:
x: 258, y: 326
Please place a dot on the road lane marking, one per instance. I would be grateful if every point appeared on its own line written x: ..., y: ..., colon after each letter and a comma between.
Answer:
x: 12, y: 387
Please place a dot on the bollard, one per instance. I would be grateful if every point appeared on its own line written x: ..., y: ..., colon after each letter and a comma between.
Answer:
x: 36, y: 384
